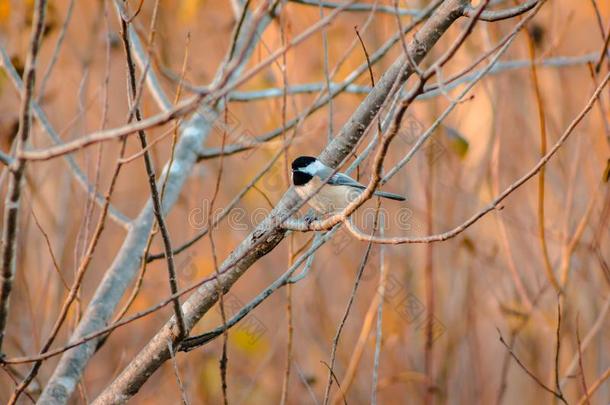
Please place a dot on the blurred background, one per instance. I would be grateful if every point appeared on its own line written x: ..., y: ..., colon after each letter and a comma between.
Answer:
x: 489, y: 280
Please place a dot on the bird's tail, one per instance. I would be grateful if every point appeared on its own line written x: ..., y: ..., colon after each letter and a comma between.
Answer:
x: 390, y: 196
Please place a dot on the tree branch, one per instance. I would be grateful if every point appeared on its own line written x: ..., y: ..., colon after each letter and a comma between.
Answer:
x: 13, y: 196
x: 78, y: 174
x: 150, y: 171
x: 268, y: 234
x: 496, y: 202
x: 490, y: 16
x: 126, y: 263
x: 359, y: 7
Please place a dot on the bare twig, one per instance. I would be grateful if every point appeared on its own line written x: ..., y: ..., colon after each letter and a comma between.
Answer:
x: 350, y: 301
x: 223, y: 363
x: 326, y: 75
x: 598, y: 17
x: 322, y: 101
x: 360, y: 7
x: 430, y: 91
x: 56, y: 50
x: 496, y: 202
x: 558, y: 346
x: 541, y: 176
x: 152, y: 178
x: 289, y: 313
x: 533, y: 376
x: 177, y: 373
x: 367, y: 326
x: 50, y: 249
x: 11, y: 209
x: 583, y: 378
x: 334, y: 377
x: 603, y: 51
x: 74, y: 288
x: 185, y: 107
x: 381, y: 290
x: 598, y: 383
x: 143, y: 265
x: 469, y: 11
x: 81, y: 178
x: 597, y: 326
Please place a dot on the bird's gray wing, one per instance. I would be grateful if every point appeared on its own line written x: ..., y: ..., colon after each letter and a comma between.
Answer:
x: 340, y: 179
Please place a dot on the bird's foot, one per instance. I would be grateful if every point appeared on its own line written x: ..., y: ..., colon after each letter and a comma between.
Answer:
x: 310, y: 216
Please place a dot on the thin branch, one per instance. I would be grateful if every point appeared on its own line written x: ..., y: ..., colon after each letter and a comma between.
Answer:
x: 603, y: 51
x: 12, y: 203
x: 350, y: 301
x: 152, y: 178
x: 194, y: 342
x: 430, y: 91
x: 583, y: 379
x: 598, y: 383
x: 601, y: 104
x: 548, y: 268
x: 496, y: 202
x: 530, y: 373
x: 598, y: 17
x: 177, y: 374
x: 326, y: 75
x: 289, y: 312
x: 50, y: 249
x: 469, y: 11
x: 143, y: 264
x: 223, y: 362
x: 360, y: 346
x: 80, y: 177
x: 185, y: 107
x: 360, y: 7
x: 322, y: 101
x: 381, y: 290
x: 14, y: 375
x: 76, y: 283
x: 58, y: 44
x: 334, y: 377
x: 558, y: 346
x: 595, y: 329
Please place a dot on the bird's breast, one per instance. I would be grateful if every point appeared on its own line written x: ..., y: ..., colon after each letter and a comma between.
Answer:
x: 329, y: 199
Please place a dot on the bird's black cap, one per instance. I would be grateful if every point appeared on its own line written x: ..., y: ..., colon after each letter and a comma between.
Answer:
x: 302, y: 161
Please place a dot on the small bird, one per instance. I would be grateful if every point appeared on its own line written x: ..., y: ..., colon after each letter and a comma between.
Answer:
x: 308, y: 174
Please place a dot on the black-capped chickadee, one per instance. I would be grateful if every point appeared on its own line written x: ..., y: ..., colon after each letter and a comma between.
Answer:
x: 308, y: 174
